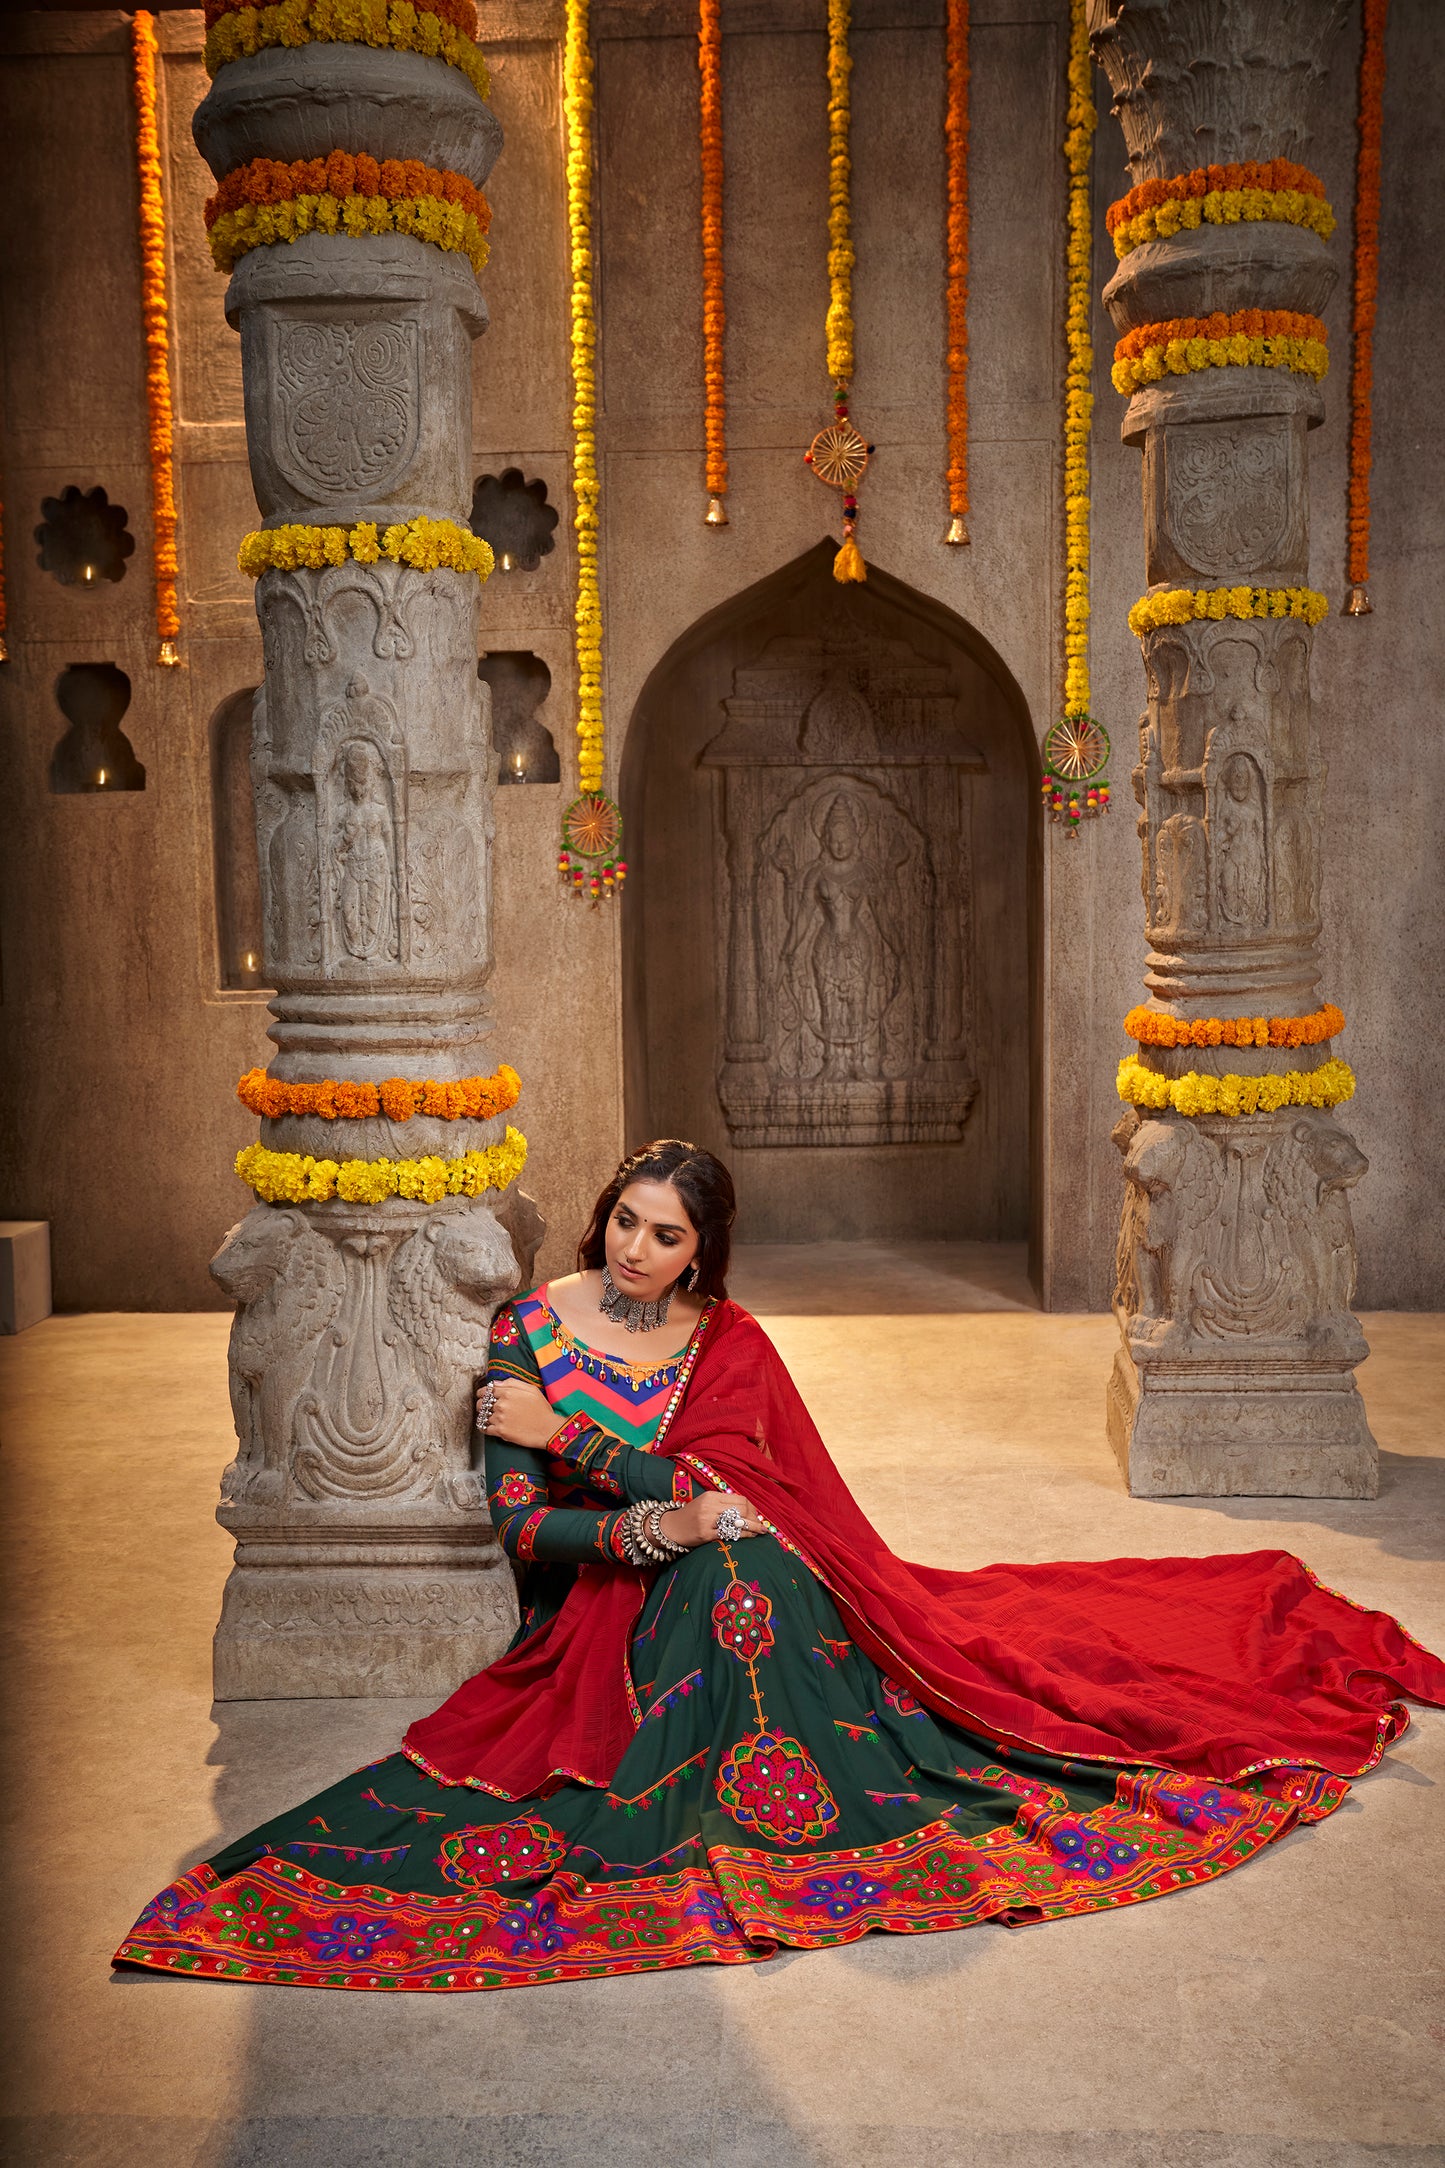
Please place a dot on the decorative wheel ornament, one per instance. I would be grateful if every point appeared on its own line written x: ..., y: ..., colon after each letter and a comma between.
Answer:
x: 1076, y: 753
x: 838, y: 455
x: 590, y: 861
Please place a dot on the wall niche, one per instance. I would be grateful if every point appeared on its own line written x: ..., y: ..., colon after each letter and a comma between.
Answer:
x: 514, y: 516
x: 83, y: 538
x: 237, y: 870
x: 94, y: 754
x: 524, y: 746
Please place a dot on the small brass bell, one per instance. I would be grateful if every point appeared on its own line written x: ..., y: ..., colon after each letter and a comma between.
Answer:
x: 958, y: 536
x: 716, y: 514
x: 1357, y: 602
x: 169, y: 657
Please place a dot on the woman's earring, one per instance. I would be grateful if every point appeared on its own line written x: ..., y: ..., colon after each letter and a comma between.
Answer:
x: 690, y: 1276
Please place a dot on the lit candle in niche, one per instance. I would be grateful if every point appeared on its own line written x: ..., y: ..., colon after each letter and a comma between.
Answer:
x: 519, y: 766
x: 87, y: 573
x: 251, y: 962
x: 506, y: 563
x: 100, y: 779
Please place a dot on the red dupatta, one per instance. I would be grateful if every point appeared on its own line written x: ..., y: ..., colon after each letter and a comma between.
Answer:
x: 1212, y: 1666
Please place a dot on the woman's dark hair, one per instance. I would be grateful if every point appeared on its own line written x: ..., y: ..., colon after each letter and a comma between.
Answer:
x: 706, y: 1189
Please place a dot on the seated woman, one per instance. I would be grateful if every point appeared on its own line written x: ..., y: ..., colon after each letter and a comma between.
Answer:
x: 732, y: 1720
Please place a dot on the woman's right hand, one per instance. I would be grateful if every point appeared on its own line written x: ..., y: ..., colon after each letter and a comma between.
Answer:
x: 696, y: 1522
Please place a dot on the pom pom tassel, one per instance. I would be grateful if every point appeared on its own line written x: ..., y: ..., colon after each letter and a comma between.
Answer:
x: 848, y: 564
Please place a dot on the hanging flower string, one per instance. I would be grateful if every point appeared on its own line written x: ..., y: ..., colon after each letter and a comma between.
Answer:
x: 589, y: 861
x: 1362, y: 321
x: 156, y: 318
x: 714, y: 316
x: 4, y: 617
x: 1076, y: 750
x: 838, y: 455
x: 956, y: 147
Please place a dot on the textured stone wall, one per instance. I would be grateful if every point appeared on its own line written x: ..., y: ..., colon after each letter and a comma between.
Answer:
x: 111, y: 997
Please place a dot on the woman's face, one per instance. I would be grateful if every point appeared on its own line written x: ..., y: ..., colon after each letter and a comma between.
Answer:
x: 650, y: 1240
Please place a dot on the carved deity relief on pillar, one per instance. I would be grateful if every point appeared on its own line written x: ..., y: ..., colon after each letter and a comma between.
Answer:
x: 1235, y: 1262
x: 844, y: 925
x: 365, y: 1558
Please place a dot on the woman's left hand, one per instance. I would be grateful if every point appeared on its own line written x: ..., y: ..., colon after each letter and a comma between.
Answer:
x: 521, y: 1414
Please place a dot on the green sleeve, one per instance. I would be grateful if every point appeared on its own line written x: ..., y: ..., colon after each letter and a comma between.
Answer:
x: 595, y: 1457
x: 527, y: 1526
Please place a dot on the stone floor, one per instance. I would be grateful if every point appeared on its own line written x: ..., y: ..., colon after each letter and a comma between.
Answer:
x: 1289, y: 2016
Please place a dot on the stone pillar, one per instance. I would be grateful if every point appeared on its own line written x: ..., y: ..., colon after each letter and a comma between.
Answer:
x: 1236, y: 1258
x: 365, y: 1559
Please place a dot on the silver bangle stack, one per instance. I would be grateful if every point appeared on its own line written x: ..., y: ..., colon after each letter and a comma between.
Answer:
x: 643, y: 1541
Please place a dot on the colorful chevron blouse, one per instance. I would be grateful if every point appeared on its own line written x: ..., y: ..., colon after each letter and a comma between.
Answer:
x: 559, y: 1505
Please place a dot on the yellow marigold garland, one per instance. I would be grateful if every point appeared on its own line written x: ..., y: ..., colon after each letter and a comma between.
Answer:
x: 586, y: 492
x: 156, y: 318
x: 1362, y: 314
x: 1247, y: 338
x: 471, y: 1098
x: 1326, y: 1086
x: 1152, y: 1027
x: 714, y: 313
x: 1066, y: 802
x: 424, y: 544
x: 4, y: 608
x: 956, y: 359
x: 840, y: 205
x: 297, y: 1178
x: 1187, y: 201
x: 1184, y: 605
x: 395, y: 23
x: 267, y: 202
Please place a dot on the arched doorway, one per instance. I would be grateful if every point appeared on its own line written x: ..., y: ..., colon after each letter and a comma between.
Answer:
x: 831, y: 951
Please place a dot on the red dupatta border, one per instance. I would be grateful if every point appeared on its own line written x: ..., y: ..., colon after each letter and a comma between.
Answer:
x: 1394, y: 1719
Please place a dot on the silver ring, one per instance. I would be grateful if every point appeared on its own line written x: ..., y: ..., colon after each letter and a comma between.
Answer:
x: 730, y: 1524
x: 486, y: 1405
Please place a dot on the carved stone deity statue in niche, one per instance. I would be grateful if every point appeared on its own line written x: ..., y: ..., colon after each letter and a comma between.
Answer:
x: 364, y: 855
x: 845, y: 922
x: 1240, y: 844
x: 842, y: 970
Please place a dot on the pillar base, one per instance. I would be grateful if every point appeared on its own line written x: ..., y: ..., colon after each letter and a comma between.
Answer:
x: 1178, y: 1434
x: 307, y: 1620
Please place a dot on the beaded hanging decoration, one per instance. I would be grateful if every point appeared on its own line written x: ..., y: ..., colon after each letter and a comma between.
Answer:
x: 590, y: 861
x: 838, y: 455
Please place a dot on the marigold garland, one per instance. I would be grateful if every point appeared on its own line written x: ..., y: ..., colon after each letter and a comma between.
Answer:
x: 1184, y: 605
x: 1326, y: 1086
x: 4, y: 610
x: 1151, y: 1027
x: 268, y: 201
x: 714, y: 315
x: 838, y: 455
x: 471, y: 1098
x: 438, y: 29
x: 956, y: 360
x: 156, y: 319
x: 1220, y: 196
x: 1077, y: 724
x: 1362, y: 318
x: 586, y: 492
x: 297, y: 1178
x: 1256, y: 338
x: 424, y: 544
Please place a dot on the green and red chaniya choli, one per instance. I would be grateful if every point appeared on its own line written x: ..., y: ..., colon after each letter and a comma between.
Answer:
x: 780, y: 1789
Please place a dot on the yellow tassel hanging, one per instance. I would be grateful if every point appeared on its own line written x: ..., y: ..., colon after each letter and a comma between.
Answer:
x: 848, y: 564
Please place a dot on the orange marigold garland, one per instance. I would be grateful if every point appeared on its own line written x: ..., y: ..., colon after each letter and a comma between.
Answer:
x: 1259, y: 338
x: 956, y: 146
x: 471, y: 1098
x: 156, y: 317
x: 4, y: 619
x: 1151, y: 1027
x: 714, y: 316
x: 1220, y: 196
x: 1362, y: 321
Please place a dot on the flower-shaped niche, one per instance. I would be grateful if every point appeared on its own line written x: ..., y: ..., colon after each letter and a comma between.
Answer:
x: 94, y: 754
x: 514, y: 516
x: 83, y: 538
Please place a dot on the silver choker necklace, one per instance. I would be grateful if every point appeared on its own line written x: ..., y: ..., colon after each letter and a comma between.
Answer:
x: 627, y: 1311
